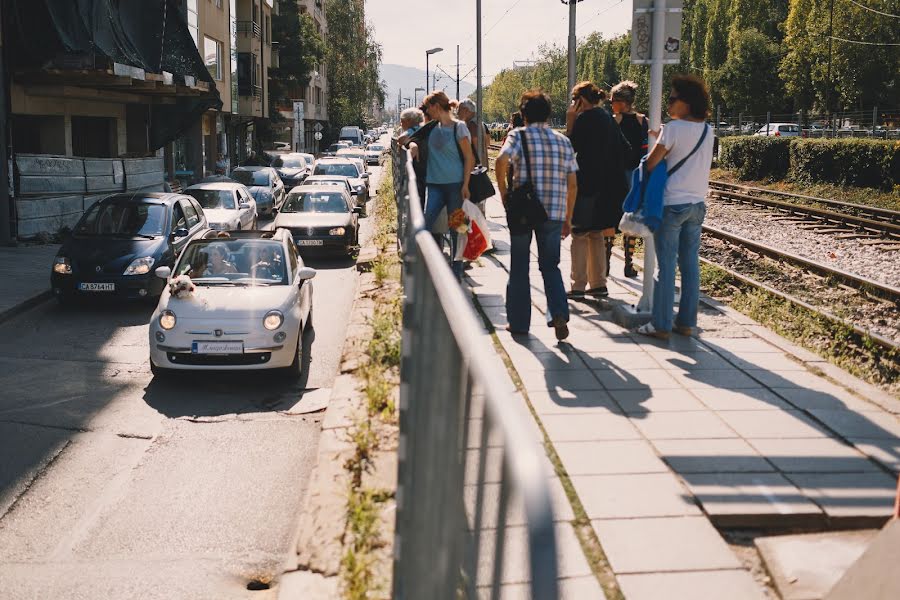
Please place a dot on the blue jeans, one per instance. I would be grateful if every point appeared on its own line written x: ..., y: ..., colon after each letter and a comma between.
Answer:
x: 518, y: 289
x: 438, y: 196
x: 678, y: 237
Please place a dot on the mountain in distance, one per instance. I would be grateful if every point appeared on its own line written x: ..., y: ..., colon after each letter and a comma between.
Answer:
x: 406, y: 79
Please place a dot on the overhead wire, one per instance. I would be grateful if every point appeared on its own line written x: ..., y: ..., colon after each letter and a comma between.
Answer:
x: 874, y: 10
x: 863, y: 43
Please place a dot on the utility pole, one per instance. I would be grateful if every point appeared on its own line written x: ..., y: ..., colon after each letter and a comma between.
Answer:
x: 573, y: 50
x: 657, y: 52
x: 6, y: 226
x: 830, y: 45
x: 478, y: 90
x: 457, y: 71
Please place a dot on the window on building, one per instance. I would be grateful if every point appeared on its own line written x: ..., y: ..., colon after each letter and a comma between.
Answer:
x: 267, y: 32
x: 218, y: 3
x: 212, y: 55
x: 193, y: 21
x: 94, y: 137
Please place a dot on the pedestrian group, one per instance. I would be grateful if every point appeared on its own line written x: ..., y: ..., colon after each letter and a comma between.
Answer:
x: 557, y: 184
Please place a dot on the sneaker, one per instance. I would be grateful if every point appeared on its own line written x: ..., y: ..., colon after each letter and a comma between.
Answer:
x: 599, y: 292
x: 681, y: 330
x: 575, y: 294
x: 649, y: 330
x: 561, y: 327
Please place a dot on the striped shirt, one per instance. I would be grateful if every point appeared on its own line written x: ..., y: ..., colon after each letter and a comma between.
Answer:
x: 552, y: 160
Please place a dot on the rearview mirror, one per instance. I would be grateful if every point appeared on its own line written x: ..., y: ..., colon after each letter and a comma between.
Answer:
x: 365, y: 175
x: 243, y: 204
x: 163, y: 272
x: 306, y: 273
x: 358, y: 209
x: 180, y: 233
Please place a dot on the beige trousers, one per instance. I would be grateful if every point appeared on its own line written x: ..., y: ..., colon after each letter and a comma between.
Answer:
x: 588, y: 260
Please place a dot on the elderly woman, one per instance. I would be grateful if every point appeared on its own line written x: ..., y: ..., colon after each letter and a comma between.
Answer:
x: 410, y: 122
x: 686, y: 140
x: 443, y: 147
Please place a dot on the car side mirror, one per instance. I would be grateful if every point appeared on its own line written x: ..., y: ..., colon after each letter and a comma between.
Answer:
x: 365, y: 175
x: 306, y: 273
x: 163, y: 272
x: 179, y: 233
x: 358, y: 210
x: 243, y: 204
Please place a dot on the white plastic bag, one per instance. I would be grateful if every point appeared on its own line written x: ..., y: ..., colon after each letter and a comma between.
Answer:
x: 632, y: 224
x: 477, y: 240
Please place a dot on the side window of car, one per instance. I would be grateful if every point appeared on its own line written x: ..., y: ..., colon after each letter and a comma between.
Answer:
x: 197, y: 208
x: 292, y: 257
x: 178, y: 220
x: 191, y: 214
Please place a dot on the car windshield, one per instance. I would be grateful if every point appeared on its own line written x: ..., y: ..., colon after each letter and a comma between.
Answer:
x: 342, y: 169
x: 376, y: 148
x: 127, y: 219
x: 336, y: 147
x: 233, y: 262
x: 291, y: 162
x: 251, y: 177
x: 213, y: 198
x: 315, y: 202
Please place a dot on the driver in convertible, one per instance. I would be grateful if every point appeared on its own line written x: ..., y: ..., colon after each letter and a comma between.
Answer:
x: 263, y: 263
x: 217, y: 263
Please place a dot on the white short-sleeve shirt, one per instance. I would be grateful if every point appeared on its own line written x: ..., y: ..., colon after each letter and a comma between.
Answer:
x: 688, y: 185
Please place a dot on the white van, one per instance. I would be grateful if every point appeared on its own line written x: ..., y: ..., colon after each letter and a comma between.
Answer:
x: 352, y: 134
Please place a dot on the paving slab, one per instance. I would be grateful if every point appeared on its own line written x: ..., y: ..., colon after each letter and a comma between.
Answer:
x: 835, y: 400
x: 719, y: 379
x: 618, y: 361
x: 813, y: 455
x: 806, y: 566
x: 524, y: 362
x: 562, y: 510
x: 637, y: 402
x: 633, y: 496
x: 582, y: 379
x: 733, y: 584
x: 574, y: 588
x: 875, y: 574
x: 792, y: 379
x: 712, y: 456
x: 568, y: 402
x: 778, y: 361
x: 689, y: 362
x: 663, y: 544
x: 739, y: 345
x: 700, y: 424
x: 854, y: 425
x: 609, y: 458
x: 858, y: 497
x: 570, y: 558
x: 637, y: 379
x: 752, y: 500
x: 745, y: 399
x: 772, y: 424
x: 886, y: 452
x: 590, y: 427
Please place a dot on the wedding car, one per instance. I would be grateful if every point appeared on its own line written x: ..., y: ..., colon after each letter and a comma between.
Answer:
x: 240, y: 301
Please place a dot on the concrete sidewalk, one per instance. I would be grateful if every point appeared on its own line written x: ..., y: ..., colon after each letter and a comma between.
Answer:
x: 667, y: 444
x: 25, y: 272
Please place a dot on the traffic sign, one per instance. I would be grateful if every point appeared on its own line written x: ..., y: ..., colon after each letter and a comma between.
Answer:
x: 318, y: 128
x: 642, y: 32
x: 318, y: 135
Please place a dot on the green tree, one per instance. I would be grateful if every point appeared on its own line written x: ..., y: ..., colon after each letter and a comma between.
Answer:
x: 300, y: 49
x: 749, y: 81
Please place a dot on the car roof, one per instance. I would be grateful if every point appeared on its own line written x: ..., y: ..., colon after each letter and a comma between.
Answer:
x: 327, y: 178
x: 245, y: 234
x: 336, y: 159
x: 166, y: 198
x: 318, y: 188
x: 215, y: 185
x: 249, y: 168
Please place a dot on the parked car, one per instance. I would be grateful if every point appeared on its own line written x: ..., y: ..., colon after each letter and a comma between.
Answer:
x: 376, y: 154
x: 321, y: 218
x: 252, y: 301
x: 265, y: 186
x: 343, y: 167
x: 282, y: 146
x: 228, y: 206
x: 117, y: 243
x: 780, y: 130
x: 332, y: 149
x: 292, y: 168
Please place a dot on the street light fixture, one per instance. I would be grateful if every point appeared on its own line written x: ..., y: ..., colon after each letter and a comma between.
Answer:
x: 415, y: 94
x: 428, y: 54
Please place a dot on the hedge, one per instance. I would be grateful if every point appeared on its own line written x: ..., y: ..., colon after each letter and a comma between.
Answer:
x: 863, y: 163
x: 756, y: 157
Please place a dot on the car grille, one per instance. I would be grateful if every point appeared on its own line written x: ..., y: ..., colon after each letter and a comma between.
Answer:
x: 219, y: 360
x: 310, y: 231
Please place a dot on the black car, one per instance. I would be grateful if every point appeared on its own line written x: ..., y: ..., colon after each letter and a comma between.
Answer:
x: 321, y: 219
x: 119, y: 242
x: 292, y: 168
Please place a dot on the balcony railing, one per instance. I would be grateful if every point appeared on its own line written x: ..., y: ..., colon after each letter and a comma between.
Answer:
x: 249, y: 29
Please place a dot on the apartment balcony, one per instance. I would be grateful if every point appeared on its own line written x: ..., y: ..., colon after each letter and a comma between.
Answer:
x: 249, y: 29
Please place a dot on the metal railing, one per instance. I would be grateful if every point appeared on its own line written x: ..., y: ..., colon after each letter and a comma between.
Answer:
x: 249, y: 29
x: 472, y: 479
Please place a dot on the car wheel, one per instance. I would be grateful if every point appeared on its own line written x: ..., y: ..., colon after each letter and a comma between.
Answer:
x: 296, y: 367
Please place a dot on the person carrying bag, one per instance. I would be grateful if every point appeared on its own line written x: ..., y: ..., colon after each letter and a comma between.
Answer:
x: 524, y: 211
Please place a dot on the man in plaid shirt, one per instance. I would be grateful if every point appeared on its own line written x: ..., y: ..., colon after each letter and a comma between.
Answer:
x: 553, y: 167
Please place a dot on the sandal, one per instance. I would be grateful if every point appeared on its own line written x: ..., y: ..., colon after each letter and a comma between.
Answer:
x: 649, y: 330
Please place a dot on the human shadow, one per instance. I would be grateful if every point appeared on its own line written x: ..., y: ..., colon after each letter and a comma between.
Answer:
x: 212, y: 393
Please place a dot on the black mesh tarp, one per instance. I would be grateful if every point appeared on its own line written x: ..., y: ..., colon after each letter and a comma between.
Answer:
x: 150, y: 34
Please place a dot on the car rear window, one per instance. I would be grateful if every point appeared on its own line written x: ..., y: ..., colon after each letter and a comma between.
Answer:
x: 213, y: 198
x: 789, y: 128
x: 344, y: 170
x: 251, y: 177
x: 315, y: 202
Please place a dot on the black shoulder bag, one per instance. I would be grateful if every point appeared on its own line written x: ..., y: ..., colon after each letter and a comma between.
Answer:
x: 480, y: 185
x: 524, y: 210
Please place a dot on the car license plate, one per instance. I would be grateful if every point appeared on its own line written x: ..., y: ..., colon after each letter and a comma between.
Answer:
x: 217, y: 347
x: 97, y: 287
x: 310, y: 242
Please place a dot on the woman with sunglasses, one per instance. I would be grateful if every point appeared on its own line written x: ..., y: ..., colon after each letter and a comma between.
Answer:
x: 678, y: 237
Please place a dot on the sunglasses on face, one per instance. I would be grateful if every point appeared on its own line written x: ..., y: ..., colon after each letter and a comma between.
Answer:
x: 672, y: 100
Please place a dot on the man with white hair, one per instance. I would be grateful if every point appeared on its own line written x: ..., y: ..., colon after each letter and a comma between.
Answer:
x: 410, y: 122
x: 467, y: 112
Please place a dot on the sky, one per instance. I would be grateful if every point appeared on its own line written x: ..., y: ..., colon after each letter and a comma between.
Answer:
x: 512, y: 30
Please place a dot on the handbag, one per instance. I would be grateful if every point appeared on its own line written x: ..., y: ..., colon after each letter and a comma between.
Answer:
x: 480, y: 185
x: 524, y: 210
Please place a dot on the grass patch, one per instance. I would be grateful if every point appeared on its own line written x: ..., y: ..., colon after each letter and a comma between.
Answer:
x: 835, y: 342
x: 866, y: 196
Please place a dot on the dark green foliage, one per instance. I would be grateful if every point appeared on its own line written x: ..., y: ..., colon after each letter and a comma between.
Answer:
x: 756, y: 157
x: 300, y: 49
x: 862, y: 163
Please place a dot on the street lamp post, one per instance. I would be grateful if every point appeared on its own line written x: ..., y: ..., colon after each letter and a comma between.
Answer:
x: 428, y: 54
x: 573, y: 49
x: 415, y: 94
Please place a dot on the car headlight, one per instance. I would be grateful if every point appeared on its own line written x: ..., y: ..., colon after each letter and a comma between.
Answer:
x: 140, y: 266
x: 167, y: 320
x: 337, y: 231
x: 359, y: 187
x: 62, y: 266
x: 273, y: 320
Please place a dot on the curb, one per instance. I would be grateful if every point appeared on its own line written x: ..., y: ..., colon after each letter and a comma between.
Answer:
x: 25, y: 305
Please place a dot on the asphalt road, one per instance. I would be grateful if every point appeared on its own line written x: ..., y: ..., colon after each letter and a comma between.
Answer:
x: 116, y: 485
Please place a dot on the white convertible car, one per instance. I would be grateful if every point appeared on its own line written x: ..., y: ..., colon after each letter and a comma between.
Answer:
x: 237, y: 302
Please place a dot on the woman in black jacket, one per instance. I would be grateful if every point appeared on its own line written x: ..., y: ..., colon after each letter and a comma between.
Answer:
x: 600, y: 150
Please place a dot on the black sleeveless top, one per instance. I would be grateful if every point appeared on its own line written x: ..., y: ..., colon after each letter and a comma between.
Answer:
x: 636, y: 132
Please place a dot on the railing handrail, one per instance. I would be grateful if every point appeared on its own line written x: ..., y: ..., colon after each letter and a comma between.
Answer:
x: 521, y: 455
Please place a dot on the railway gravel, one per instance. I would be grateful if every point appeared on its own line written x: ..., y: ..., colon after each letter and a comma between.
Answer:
x: 869, y: 260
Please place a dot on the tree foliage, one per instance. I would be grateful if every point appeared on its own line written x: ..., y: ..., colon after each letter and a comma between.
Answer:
x: 353, y: 59
x: 300, y: 49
